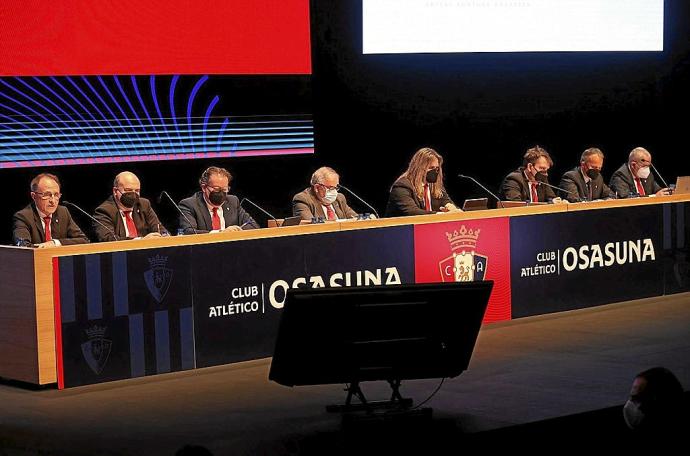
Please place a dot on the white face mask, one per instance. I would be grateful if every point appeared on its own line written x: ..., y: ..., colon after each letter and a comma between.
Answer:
x: 632, y: 414
x: 330, y: 196
x: 643, y: 173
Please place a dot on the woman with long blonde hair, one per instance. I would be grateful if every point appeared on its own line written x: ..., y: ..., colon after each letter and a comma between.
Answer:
x: 420, y: 190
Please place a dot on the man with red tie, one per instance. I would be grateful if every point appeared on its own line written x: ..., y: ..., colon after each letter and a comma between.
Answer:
x: 584, y: 182
x: 635, y: 178
x: 44, y: 223
x: 420, y: 189
x: 212, y: 209
x: 322, y: 199
x: 126, y: 215
x: 525, y: 183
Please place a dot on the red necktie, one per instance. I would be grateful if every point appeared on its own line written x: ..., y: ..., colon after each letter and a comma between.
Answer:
x: 427, y: 199
x: 640, y: 188
x: 535, y: 197
x: 215, y: 222
x: 49, y: 236
x: 131, y: 227
x: 329, y: 212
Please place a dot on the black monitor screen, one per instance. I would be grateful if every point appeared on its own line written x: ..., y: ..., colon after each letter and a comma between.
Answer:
x: 343, y: 335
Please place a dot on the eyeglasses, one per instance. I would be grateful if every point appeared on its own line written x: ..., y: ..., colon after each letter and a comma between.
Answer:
x: 218, y: 189
x: 48, y: 195
x: 334, y: 187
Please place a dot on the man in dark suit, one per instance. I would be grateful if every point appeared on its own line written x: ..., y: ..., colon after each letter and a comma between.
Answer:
x: 635, y: 178
x: 585, y: 183
x: 125, y: 215
x: 322, y: 199
x: 212, y: 209
x: 524, y: 184
x: 44, y: 223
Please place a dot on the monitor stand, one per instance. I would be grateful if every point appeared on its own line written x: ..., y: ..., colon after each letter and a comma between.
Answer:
x: 396, y: 401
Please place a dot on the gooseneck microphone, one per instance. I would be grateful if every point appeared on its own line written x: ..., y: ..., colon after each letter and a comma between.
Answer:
x: 498, y: 200
x: 658, y: 174
x: 160, y: 198
x: 259, y: 208
x: 111, y: 232
x: 569, y: 192
x: 360, y: 199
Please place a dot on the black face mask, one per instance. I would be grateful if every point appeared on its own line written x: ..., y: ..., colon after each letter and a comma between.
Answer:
x: 541, y: 176
x: 432, y: 176
x: 216, y: 198
x: 128, y: 199
x: 592, y: 173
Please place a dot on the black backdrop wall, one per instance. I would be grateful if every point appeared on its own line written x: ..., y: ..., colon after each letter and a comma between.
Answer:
x: 480, y: 111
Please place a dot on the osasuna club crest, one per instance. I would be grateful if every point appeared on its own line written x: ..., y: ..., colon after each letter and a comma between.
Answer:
x: 465, y: 264
x: 96, y: 350
x: 159, y: 277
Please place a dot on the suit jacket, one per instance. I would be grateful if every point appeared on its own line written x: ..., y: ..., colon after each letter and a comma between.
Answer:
x: 515, y: 187
x: 574, y: 182
x: 403, y: 200
x: 28, y: 226
x: 196, y: 210
x: 307, y: 205
x: 623, y: 184
x: 145, y: 219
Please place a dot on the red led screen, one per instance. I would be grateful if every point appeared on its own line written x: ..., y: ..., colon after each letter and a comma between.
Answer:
x: 145, y: 37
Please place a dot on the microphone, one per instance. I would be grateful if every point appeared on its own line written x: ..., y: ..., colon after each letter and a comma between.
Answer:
x: 562, y: 190
x: 112, y: 233
x: 160, y: 198
x: 658, y: 174
x: 360, y: 199
x: 498, y: 200
x: 259, y: 208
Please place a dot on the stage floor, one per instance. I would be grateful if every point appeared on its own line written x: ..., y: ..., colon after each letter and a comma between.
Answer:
x: 522, y: 371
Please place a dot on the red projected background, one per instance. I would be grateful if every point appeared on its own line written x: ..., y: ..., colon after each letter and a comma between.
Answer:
x: 144, y: 37
x: 100, y: 81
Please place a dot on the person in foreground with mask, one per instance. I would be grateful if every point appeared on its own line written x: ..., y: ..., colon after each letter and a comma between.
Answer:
x: 125, y: 213
x: 585, y: 183
x: 322, y: 199
x: 212, y: 209
x: 420, y: 190
x: 524, y: 184
x: 656, y: 405
x: 634, y: 178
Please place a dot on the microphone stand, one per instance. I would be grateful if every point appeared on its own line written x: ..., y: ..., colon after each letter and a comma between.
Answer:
x: 579, y: 200
x: 112, y: 233
x: 259, y: 208
x: 360, y: 199
x: 658, y: 174
x: 498, y: 200
x: 178, y: 209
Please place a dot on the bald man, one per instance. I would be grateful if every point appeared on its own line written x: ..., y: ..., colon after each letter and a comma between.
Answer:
x: 635, y: 177
x: 125, y: 215
x: 322, y: 198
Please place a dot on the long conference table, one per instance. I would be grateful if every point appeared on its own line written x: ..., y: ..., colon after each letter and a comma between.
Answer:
x: 98, y: 312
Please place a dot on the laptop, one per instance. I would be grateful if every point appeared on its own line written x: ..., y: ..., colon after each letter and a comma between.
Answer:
x: 476, y: 204
x: 682, y: 185
x: 291, y: 221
